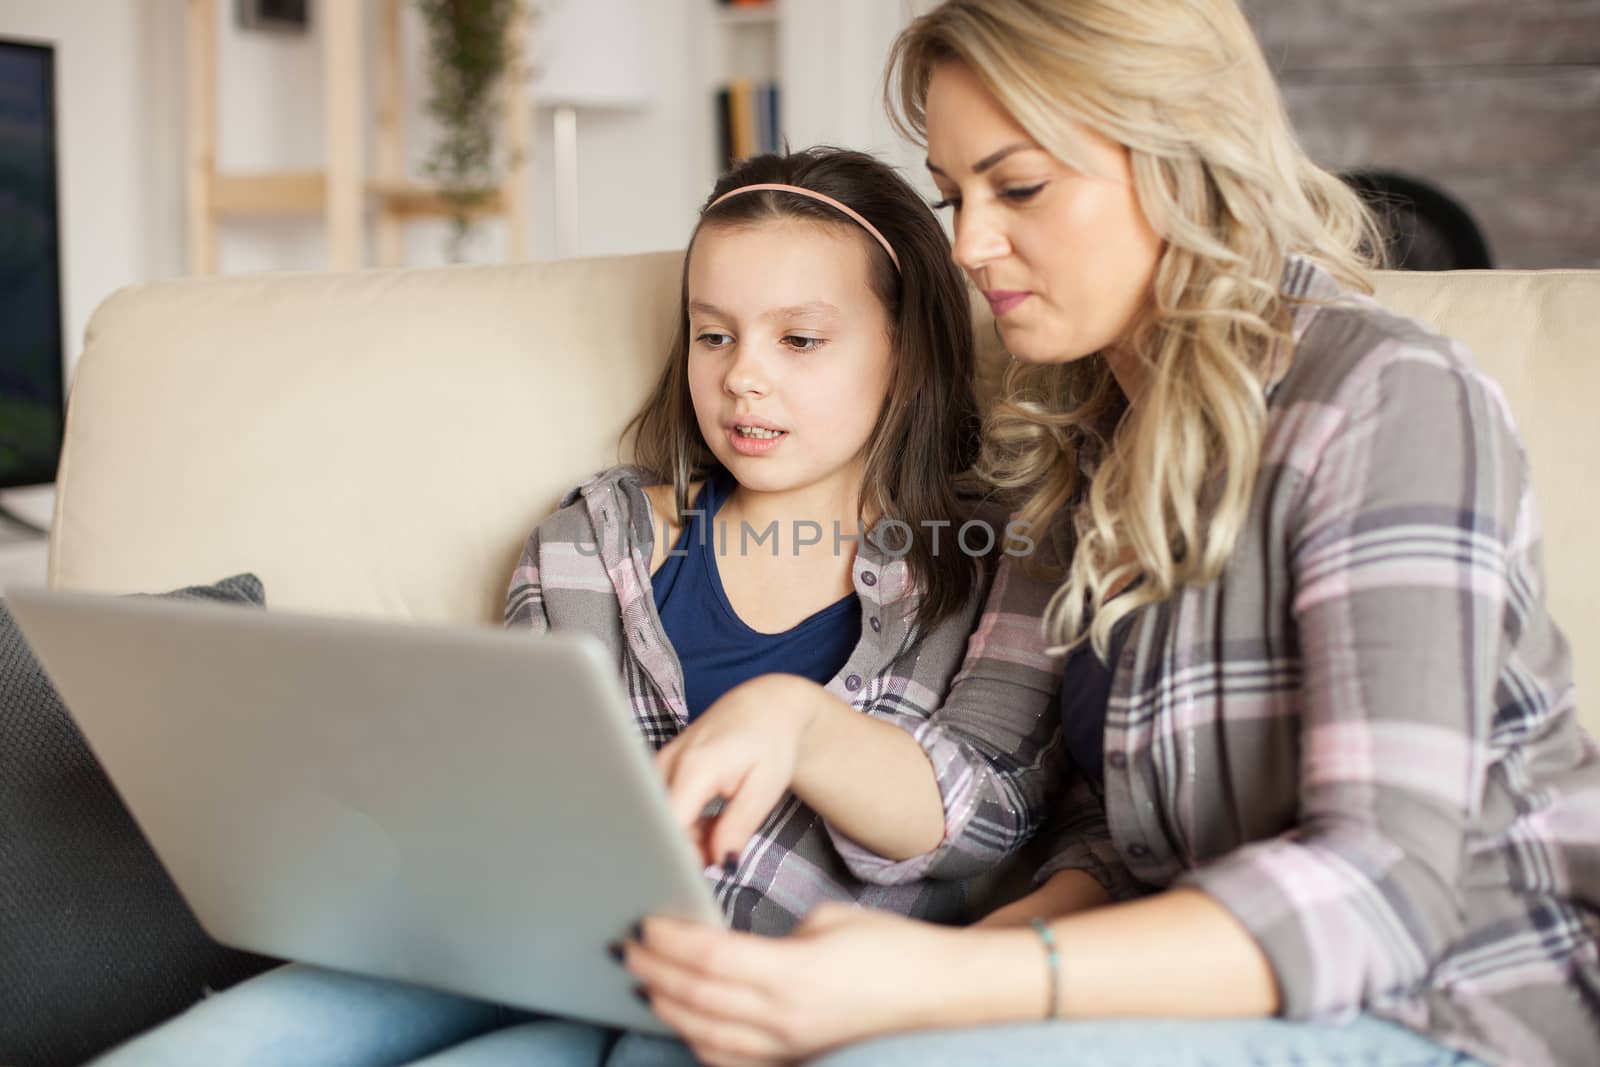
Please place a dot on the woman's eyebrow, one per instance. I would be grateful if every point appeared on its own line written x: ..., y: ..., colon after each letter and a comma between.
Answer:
x: 992, y: 158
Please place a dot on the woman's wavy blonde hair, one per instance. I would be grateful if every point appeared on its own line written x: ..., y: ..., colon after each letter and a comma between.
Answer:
x: 1219, y: 175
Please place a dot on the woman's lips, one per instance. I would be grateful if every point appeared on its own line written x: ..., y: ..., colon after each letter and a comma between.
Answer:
x: 1003, y: 300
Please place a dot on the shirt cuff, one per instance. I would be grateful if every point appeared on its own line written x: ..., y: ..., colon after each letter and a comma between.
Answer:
x: 1290, y: 902
x: 958, y: 783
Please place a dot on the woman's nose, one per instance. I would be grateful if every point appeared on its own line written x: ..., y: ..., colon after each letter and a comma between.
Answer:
x: 978, y: 240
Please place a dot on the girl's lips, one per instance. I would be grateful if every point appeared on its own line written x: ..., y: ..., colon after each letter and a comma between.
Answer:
x: 753, y: 446
x: 1003, y: 300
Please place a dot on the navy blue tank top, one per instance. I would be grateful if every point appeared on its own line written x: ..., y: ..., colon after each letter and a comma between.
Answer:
x: 1085, y: 692
x: 717, y: 650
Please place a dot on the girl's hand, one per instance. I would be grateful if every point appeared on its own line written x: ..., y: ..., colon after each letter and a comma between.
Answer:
x: 845, y: 974
x: 744, y: 749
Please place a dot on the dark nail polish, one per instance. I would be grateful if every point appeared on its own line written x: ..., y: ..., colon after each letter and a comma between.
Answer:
x: 614, y: 950
x: 642, y: 993
x: 730, y: 862
x: 636, y: 931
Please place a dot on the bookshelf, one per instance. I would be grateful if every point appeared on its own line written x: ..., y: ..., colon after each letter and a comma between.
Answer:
x: 745, y: 78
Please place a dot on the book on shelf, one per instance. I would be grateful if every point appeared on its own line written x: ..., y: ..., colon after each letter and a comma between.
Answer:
x: 747, y: 120
x: 724, y: 128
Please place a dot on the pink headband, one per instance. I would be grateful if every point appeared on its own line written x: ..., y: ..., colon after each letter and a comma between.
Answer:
x: 844, y: 209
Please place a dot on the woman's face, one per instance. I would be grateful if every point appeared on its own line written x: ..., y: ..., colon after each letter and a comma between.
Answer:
x: 1064, y: 256
x: 789, y: 354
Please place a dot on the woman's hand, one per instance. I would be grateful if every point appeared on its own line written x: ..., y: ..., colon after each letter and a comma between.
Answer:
x: 845, y: 974
x: 745, y: 749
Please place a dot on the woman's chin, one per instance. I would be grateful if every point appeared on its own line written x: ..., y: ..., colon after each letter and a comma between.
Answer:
x: 1029, y: 346
x: 1042, y: 355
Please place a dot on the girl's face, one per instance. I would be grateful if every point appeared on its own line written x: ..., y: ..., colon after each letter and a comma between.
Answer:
x: 789, y: 354
x: 1064, y: 256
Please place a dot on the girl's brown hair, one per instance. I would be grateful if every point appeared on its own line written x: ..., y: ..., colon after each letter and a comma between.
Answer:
x: 927, y: 433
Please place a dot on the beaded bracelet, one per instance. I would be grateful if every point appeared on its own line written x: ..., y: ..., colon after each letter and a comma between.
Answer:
x: 1053, y: 957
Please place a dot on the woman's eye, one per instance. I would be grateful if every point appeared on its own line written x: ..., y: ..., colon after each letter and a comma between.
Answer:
x: 1022, y: 193
x: 804, y: 344
x: 1016, y: 195
x: 712, y: 339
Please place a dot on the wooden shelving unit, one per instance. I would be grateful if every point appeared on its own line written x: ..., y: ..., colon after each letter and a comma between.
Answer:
x: 341, y: 192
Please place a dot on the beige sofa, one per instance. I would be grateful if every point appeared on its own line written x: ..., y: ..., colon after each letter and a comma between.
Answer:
x: 380, y: 443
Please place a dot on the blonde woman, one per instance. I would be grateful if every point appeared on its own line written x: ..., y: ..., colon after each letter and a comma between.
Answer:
x: 1352, y: 818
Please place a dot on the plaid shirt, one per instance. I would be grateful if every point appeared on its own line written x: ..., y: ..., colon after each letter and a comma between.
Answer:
x: 1362, y: 739
x: 992, y: 741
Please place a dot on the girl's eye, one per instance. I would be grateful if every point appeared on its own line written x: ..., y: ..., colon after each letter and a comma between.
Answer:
x: 712, y: 339
x: 804, y: 344
x: 1021, y: 194
x: 949, y: 201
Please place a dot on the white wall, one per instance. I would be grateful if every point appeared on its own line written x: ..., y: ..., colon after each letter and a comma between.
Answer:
x: 835, y: 52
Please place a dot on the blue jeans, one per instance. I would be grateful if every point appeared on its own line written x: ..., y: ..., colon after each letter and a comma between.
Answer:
x: 1367, y: 1042
x: 310, y: 1017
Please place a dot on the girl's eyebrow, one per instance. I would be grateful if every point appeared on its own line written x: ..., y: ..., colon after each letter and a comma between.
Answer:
x: 812, y: 310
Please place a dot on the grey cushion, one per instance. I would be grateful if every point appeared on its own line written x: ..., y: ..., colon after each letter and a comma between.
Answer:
x: 95, y: 942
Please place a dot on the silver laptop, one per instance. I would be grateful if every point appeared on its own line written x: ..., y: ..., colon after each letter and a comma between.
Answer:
x: 466, y: 809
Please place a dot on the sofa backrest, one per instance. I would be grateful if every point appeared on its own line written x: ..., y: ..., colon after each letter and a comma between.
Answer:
x: 380, y: 443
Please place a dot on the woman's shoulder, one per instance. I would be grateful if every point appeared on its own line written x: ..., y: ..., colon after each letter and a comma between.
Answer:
x: 1351, y: 354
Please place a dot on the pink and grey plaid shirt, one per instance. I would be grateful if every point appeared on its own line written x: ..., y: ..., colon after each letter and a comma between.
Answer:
x: 1362, y: 739
x: 976, y: 691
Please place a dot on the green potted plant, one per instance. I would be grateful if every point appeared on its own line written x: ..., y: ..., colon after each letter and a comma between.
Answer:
x: 470, y: 53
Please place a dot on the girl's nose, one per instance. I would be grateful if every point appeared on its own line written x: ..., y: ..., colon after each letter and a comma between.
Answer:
x: 744, y: 377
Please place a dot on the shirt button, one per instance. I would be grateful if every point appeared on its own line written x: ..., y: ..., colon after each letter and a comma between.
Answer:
x: 868, y: 578
x: 1116, y: 760
x: 876, y: 625
x: 853, y: 682
x: 1138, y: 850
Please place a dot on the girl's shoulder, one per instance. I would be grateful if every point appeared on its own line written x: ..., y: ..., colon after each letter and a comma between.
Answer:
x: 594, y: 506
x: 621, y: 505
x: 665, y: 527
x: 660, y: 497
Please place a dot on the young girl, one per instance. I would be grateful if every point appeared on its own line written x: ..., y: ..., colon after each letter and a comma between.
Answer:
x: 1332, y: 719
x: 788, y: 581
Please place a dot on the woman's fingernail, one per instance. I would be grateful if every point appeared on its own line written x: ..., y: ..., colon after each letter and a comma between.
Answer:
x: 614, y: 950
x: 730, y: 862
x: 642, y: 993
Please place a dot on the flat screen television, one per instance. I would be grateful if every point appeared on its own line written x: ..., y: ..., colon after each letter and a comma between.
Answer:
x: 32, y: 385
